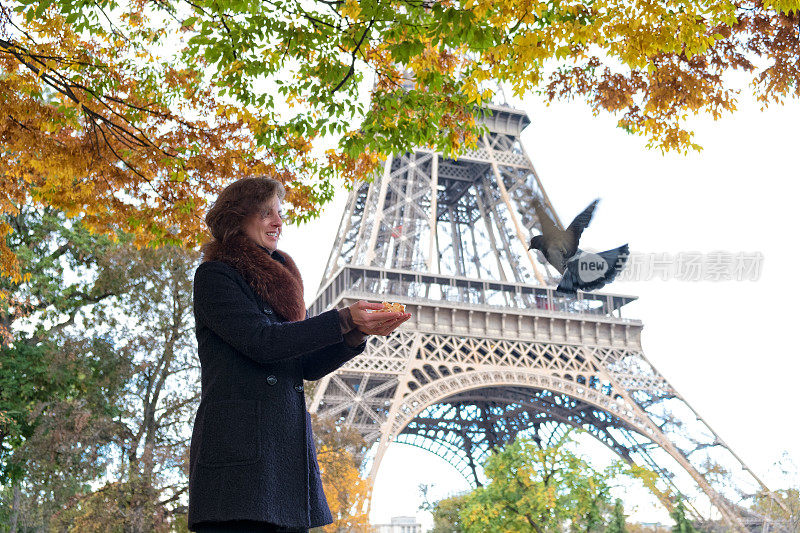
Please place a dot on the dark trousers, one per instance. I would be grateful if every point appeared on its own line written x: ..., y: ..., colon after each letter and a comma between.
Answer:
x: 244, y: 526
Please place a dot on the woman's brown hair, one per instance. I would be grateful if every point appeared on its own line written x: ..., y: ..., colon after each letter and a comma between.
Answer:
x: 238, y: 201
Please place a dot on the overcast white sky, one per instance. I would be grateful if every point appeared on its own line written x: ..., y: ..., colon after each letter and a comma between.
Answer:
x: 726, y: 346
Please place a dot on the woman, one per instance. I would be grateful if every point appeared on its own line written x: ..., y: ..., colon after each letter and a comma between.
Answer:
x: 252, y: 463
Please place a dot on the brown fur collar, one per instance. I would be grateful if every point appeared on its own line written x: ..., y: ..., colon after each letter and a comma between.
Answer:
x: 278, y: 284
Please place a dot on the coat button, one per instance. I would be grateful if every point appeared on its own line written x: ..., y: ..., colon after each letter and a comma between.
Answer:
x: 298, y: 388
x: 272, y: 380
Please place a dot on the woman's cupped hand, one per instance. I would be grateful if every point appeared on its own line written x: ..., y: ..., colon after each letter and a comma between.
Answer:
x: 370, y: 322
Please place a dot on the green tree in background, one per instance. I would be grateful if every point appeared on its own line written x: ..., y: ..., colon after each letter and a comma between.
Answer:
x: 65, y: 439
x: 617, y: 522
x: 99, y: 381
x: 541, y: 488
x: 682, y: 523
x: 59, y: 384
x: 445, y: 512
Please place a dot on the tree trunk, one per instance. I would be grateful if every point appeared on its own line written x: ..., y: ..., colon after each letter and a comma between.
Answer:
x: 15, y: 509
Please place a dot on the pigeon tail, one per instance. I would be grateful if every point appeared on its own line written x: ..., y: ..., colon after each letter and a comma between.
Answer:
x: 588, y: 271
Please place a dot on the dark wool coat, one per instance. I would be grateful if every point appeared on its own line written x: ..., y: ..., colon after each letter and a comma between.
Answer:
x: 252, y: 454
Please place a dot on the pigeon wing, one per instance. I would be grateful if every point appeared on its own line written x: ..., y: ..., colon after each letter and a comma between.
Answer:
x: 575, y: 229
x: 550, y: 231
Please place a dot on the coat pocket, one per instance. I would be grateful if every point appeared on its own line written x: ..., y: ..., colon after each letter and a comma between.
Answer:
x: 231, y: 433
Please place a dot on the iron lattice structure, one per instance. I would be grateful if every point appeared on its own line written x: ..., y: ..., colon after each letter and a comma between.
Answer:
x: 491, y: 350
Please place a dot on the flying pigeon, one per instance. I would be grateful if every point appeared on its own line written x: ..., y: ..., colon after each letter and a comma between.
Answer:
x: 579, y: 269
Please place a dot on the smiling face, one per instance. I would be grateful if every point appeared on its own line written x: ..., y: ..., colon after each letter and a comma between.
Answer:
x: 264, y: 226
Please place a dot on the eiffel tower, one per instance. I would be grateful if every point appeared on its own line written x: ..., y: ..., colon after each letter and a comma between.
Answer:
x: 491, y: 350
